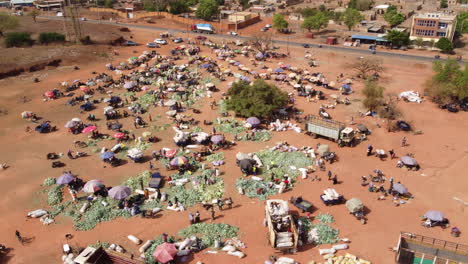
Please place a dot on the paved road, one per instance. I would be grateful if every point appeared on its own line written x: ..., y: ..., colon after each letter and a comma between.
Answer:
x: 360, y: 52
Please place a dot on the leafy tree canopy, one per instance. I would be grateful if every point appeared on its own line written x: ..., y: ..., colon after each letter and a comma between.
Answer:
x: 445, y: 45
x: 259, y: 99
x: 279, y: 22
x: 449, y: 82
x: 207, y: 9
x: 315, y: 22
x: 351, y: 17
x: 374, y: 97
x: 7, y: 22
x: 397, y: 38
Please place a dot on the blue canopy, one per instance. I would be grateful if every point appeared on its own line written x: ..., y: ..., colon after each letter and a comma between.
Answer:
x: 374, y: 38
x: 279, y: 70
x: 107, y: 155
x: 346, y: 86
x: 206, y: 65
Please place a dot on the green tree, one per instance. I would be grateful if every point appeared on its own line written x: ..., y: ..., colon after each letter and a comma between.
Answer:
x: 308, y: 12
x: 245, y: 4
x: 396, y: 19
x: 18, y: 39
x: 351, y: 17
x: 361, y: 5
x: 443, y: 4
x: 374, y: 95
x: 178, y: 7
x: 315, y: 22
x: 259, y: 99
x: 322, y: 8
x: 449, y: 82
x: 391, y: 9
x: 154, y: 5
x: 397, y: 38
x: 462, y: 23
x: 109, y: 3
x: 7, y: 22
x: 279, y: 22
x: 445, y: 45
x: 34, y: 13
x: 207, y: 9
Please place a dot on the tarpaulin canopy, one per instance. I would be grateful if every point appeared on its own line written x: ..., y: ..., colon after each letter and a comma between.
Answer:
x: 354, y: 205
x: 400, y: 188
x: 66, y: 178
x: 253, y: 121
x: 93, y: 186
x: 409, y: 161
x: 135, y: 153
x: 71, y: 124
x: 434, y: 215
x: 107, y: 155
x: 278, y: 70
x: 120, y: 192
x: 216, y: 139
x: 165, y: 252
x: 129, y: 85
x: 246, y: 164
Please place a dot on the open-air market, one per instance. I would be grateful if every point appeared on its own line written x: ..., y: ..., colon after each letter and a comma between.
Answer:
x: 206, y: 149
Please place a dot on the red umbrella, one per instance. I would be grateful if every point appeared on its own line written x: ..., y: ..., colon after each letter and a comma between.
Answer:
x: 171, y: 153
x: 119, y: 135
x: 84, y: 88
x: 49, y: 94
x: 165, y: 252
x: 89, y: 129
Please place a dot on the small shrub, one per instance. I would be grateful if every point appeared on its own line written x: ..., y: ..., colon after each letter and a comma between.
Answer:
x: 18, y: 39
x: 49, y: 37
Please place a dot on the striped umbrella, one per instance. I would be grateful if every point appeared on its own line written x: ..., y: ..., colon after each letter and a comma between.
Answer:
x: 179, y: 161
x: 93, y: 186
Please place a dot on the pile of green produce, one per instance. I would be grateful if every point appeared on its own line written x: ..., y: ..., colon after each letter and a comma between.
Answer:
x: 229, y: 125
x: 215, y: 157
x: 99, y: 244
x: 136, y: 182
x: 147, y: 100
x: 196, y: 129
x: 97, y: 213
x: 326, y: 234
x: 280, y: 162
x: 212, y: 191
x: 208, y: 233
x: 49, y: 181
x: 325, y: 218
x: 251, y: 188
x: 188, y: 197
x: 259, y: 135
x: 55, y: 195
x: 222, y: 107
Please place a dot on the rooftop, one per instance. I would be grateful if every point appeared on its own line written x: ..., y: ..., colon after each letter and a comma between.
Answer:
x: 436, y: 15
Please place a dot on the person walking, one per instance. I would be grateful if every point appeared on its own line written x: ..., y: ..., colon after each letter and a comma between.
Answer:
x: 403, y: 142
x: 369, y: 150
x: 197, y: 217
x: 151, y: 166
x: 191, y: 218
x: 70, y: 154
x: 220, y: 204
x: 392, y: 154
x: 335, y: 179
x: 212, y: 214
x: 329, y: 175
x: 164, y: 235
x: 19, y: 237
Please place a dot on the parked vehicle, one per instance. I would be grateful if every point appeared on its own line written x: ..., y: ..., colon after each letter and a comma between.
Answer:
x: 130, y: 43
x: 203, y: 38
x: 203, y: 28
x: 152, y: 45
x: 334, y: 130
x: 302, y: 204
x: 178, y: 40
x: 356, y: 208
x: 306, y: 46
x: 232, y: 33
x: 160, y: 41
x: 282, y: 231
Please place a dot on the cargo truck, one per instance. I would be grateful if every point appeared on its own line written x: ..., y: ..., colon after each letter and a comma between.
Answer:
x: 338, y: 132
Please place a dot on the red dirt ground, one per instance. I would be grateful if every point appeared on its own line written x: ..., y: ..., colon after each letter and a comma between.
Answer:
x: 441, y: 151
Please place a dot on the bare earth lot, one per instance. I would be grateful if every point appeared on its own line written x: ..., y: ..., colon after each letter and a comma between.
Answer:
x: 442, y: 151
